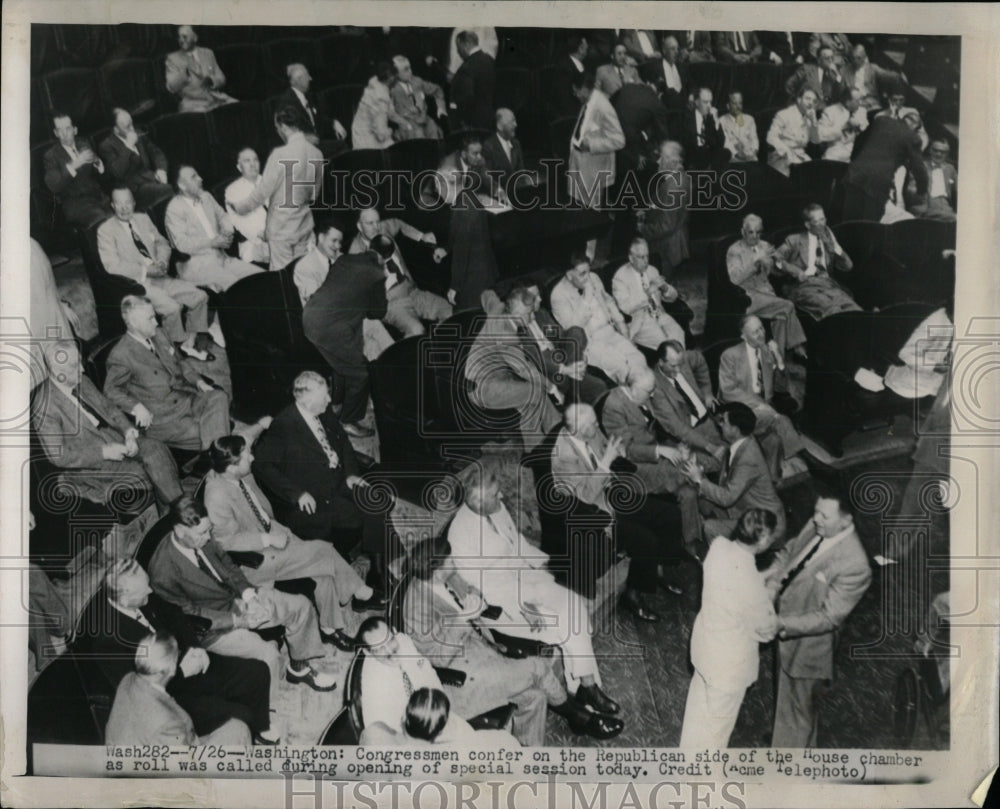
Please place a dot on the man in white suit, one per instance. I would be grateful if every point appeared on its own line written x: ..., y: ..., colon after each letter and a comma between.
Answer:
x: 595, y: 139
x: 197, y: 225
x: 194, y: 75
x: 580, y: 299
x: 291, y: 183
x: 792, y: 129
x: 251, y: 225
x: 640, y: 291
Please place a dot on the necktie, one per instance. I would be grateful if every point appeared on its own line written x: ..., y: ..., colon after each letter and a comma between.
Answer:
x: 693, y: 410
x: 578, y: 129
x: 790, y: 576
x: 593, y: 458
x: 647, y: 414
x: 101, y: 421
x: 138, y: 242
x: 738, y: 39
x: 143, y: 620
x: 621, y: 76
x: 324, y: 442
x: 407, y: 685
x: 71, y: 151
x: 205, y: 566
x: 760, y: 371
x: 727, y: 464
x: 151, y: 347
x: 820, y: 258
x: 262, y: 519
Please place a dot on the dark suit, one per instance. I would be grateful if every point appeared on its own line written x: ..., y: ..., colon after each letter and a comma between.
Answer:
x: 183, y: 415
x: 707, y: 151
x: 333, y: 319
x: 643, y: 120
x: 776, y: 42
x: 472, y: 92
x: 828, y: 89
x: 672, y: 98
x: 83, y: 201
x: 136, y: 169
x: 727, y: 49
x: 289, y: 461
x: 71, y: 441
x: 229, y: 688
x: 314, y: 121
x: 545, y: 359
x: 878, y: 151
x: 562, y: 102
x: 497, y: 160
x: 674, y: 413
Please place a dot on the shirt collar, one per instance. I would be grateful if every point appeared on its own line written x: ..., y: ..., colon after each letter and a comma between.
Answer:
x: 187, y: 553
x: 143, y: 341
x: 63, y: 387
x: 577, y: 62
x: 301, y: 96
x: 736, y: 445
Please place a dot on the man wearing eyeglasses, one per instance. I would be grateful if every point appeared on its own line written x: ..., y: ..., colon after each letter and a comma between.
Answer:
x: 942, y: 185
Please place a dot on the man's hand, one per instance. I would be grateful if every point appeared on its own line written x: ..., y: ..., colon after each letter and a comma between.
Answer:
x: 114, y: 452
x: 257, y: 614
x: 711, y: 403
x: 439, y: 254
x: 204, y: 386
x: 307, y: 503
x: 668, y: 293
x: 810, y: 272
x: 429, y: 238
x: 142, y: 416
x: 693, y: 471
x: 222, y: 241
x: 583, y: 146
x: 356, y: 480
x: 161, y: 175
x: 614, y: 449
x: 195, y: 661
x: 277, y: 538
x: 668, y: 454
x: 451, y: 296
x: 531, y: 615
x: 557, y: 395
x: 339, y: 130
x: 575, y: 370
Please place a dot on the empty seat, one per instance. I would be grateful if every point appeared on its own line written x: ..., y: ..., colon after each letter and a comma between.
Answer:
x: 714, y: 76
x: 130, y: 83
x: 514, y: 87
x: 415, y: 155
x: 185, y: 137
x: 241, y: 63
x: 76, y: 91
x: 86, y: 45
x: 344, y: 58
x: 233, y: 128
x: 759, y: 82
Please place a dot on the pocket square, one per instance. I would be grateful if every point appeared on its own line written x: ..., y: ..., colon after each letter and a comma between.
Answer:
x: 821, y: 576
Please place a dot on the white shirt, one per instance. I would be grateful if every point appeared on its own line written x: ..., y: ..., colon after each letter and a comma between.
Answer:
x: 202, y: 216
x: 692, y: 394
x: 735, y: 446
x: 823, y: 258
x: 143, y: 341
x: 752, y: 357
x: 506, y: 144
x: 577, y: 62
x: 587, y: 452
x: 938, y: 188
x: 699, y: 127
x: 644, y: 43
x: 134, y: 613
x: 828, y: 543
x: 134, y: 148
x: 536, y: 331
x: 319, y: 432
x: 192, y: 557
x: 672, y: 76
x: 305, y: 103
x: 251, y: 225
x: 69, y: 392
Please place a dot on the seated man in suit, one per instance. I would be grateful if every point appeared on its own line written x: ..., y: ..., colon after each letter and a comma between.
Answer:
x: 144, y: 712
x: 129, y: 244
x: 311, y: 270
x: 703, y: 139
x: 502, y: 376
x: 628, y: 417
x: 664, y: 224
x: 328, y: 135
x: 441, y: 616
x: 370, y: 127
x: 197, y: 225
x: 249, y: 225
x: 640, y: 292
x: 190, y: 569
x: 580, y: 299
x: 736, y: 47
x: 169, y: 398
x: 670, y: 75
x: 740, y: 130
x: 559, y: 355
x: 869, y: 78
x: 406, y: 304
x: 942, y: 185
x: 133, y: 160
x: 808, y: 258
x: 784, y: 47
x: 611, y: 77
x: 683, y: 402
x: 581, y: 462
x: 696, y: 46
x: 409, y: 96
x: 72, y: 174
x: 746, y: 374
x: 243, y: 521
x: 194, y: 75
x: 744, y: 481
x: 639, y: 44
x: 824, y: 78
x: 749, y: 263
x: 212, y: 688
x: 81, y: 430
x: 503, y: 155
x: 840, y: 124
x: 792, y: 130
x: 491, y: 554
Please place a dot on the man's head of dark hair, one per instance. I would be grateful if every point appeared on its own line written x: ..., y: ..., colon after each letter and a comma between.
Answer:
x: 740, y: 416
x: 187, y: 511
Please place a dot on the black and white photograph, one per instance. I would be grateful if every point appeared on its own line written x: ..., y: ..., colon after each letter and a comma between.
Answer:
x: 471, y: 393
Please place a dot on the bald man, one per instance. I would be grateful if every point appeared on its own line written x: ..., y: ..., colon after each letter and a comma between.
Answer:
x: 194, y: 76
x: 132, y: 159
x: 409, y: 96
x: 502, y: 151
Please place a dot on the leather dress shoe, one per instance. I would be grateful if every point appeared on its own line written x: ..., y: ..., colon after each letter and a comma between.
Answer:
x: 591, y: 696
x: 585, y: 723
x: 633, y: 603
x: 261, y: 740
x: 356, y: 430
x: 317, y: 681
x: 377, y: 602
x: 340, y: 639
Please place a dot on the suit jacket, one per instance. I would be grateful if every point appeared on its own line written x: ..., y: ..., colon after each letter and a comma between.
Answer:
x: 414, y: 107
x: 715, y: 138
x: 735, y: 380
x: 622, y: 417
x: 788, y: 136
x: 497, y: 160
x: 626, y: 287
x: 188, y: 235
x: 161, y: 381
x: 543, y: 358
x: 439, y: 628
x: 630, y: 39
x: 883, y: 147
x: 950, y: 174
x: 794, y: 256
x: 180, y: 581
x: 776, y: 42
x: 609, y: 81
x: 288, y: 220
x: 65, y: 186
x: 817, y: 600
x: 118, y: 252
x: 870, y: 80
x: 289, y: 462
x: 594, y: 170
x: 496, y: 356
x: 472, y: 92
x: 370, y: 125
x: 569, y: 307
x: 143, y: 714
x: 314, y: 121
x: 182, y: 81
x: 125, y: 166
x: 572, y: 467
x: 672, y: 98
x: 643, y: 121
x: 745, y: 484
x: 234, y: 525
x: 696, y: 46
x: 666, y: 225
x: 724, y: 45
x: 562, y: 102
x: 671, y: 410
x: 333, y: 317
x: 822, y: 82
x: 741, y: 265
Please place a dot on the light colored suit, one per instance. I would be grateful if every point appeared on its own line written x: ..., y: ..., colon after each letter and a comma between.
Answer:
x: 370, y: 127
x: 590, y: 173
x: 610, y: 78
x: 736, y: 615
x: 812, y: 609
x: 573, y: 467
x: 839, y: 127
x: 236, y: 528
x: 169, y: 296
x: 183, y: 415
x: 441, y: 628
x: 410, y: 103
x: 818, y: 295
x: 207, y: 266
x: 673, y: 413
x: 741, y: 140
x: 250, y: 225
x: 145, y: 714
x: 297, y: 165
x: 185, y: 71
x: 788, y: 137
x: 596, y: 312
x: 638, y: 295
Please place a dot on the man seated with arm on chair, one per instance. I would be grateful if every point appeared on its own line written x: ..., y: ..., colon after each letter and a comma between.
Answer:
x: 315, y: 126
x: 503, y: 154
x: 491, y: 554
x: 134, y: 161
x: 212, y: 688
x: 81, y: 430
x: 441, y: 615
x: 243, y: 521
x: 144, y: 712
x: 72, y: 174
x: 250, y: 225
x: 191, y: 570
x: 194, y: 75
x: 409, y: 96
x: 640, y: 291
